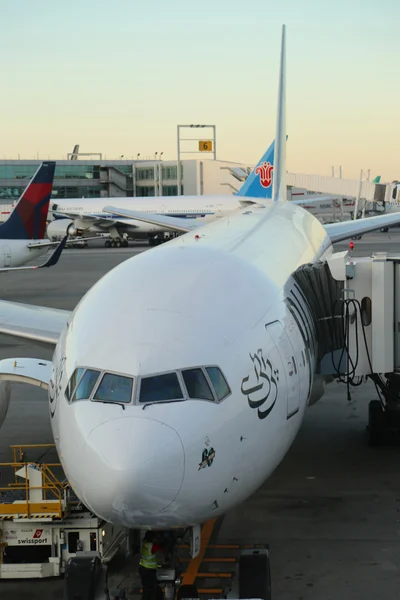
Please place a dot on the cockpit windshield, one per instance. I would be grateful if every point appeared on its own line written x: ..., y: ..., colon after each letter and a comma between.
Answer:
x: 219, y: 382
x: 197, y: 385
x: 76, y: 375
x: 160, y: 388
x: 114, y: 388
x: 86, y: 385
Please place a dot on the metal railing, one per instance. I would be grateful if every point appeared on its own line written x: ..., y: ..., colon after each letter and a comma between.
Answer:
x: 53, y: 499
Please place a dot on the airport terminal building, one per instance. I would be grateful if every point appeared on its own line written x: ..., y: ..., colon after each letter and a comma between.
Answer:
x: 116, y: 178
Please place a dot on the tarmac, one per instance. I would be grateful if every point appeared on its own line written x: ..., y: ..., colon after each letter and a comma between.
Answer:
x: 331, y: 511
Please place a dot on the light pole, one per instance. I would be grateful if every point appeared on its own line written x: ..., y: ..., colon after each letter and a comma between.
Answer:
x: 208, y: 147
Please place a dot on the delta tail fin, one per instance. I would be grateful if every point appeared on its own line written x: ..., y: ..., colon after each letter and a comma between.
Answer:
x: 28, y: 219
x: 279, y: 192
x: 259, y: 182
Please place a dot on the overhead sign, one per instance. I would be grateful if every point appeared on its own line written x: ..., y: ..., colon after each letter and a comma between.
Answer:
x: 205, y: 146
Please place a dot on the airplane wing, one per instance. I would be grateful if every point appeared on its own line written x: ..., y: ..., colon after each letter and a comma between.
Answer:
x: 348, y: 229
x: 26, y: 370
x: 95, y: 221
x: 50, y: 262
x: 173, y: 223
x: 66, y: 215
x: 37, y: 323
x: 108, y: 222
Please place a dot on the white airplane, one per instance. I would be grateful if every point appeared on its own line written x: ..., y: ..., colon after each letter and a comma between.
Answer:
x: 22, y: 234
x: 74, y: 217
x: 209, y: 365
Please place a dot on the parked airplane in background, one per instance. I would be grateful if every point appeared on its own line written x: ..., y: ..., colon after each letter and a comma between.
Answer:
x: 22, y: 234
x: 88, y: 214
x: 210, y: 362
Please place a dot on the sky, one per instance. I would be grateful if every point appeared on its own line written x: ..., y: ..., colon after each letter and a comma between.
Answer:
x: 117, y: 77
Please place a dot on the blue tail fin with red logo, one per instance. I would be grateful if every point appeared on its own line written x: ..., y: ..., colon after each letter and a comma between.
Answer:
x: 268, y: 179
x: 28, y: 219
x: 259, y: 182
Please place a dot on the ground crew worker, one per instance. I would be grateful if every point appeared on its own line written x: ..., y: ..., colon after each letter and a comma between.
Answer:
x: 148, y: 566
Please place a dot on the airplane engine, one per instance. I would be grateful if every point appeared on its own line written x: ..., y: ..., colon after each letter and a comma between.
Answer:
x: 5, y: 394
x: 58, y: 228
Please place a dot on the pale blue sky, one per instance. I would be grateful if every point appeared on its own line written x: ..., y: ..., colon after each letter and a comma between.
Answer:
x: 118, y: 76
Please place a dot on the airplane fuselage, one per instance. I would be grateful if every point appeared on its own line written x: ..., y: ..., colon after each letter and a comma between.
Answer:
x: 217, y: 297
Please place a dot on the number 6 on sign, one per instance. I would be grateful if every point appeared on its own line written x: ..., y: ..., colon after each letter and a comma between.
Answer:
x: 205, y: 146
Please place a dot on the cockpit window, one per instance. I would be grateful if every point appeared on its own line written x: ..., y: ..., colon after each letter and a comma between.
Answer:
x: 76, y: 375
x: 160, y: 387
x: 219, y: 382
x: 196, y: 384
x: 114, y: 388
x: 86, y: 385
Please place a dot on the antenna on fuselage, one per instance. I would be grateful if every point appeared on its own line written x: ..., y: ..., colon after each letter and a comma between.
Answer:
x: 279, y: 193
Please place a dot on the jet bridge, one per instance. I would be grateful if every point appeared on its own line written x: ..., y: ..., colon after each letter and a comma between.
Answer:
x: 348, y: 195
x: 370, y: 321
x: 370, y: 311
x: 354, y: 330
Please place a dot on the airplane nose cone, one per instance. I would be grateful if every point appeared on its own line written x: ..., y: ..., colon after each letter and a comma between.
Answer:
x: 135, y: 468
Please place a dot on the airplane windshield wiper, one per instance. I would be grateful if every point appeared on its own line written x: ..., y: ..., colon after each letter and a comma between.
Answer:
x: 162, y: 402
x: 111, y: 402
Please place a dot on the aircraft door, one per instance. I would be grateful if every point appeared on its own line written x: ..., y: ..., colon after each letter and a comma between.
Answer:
x: 291, y: 367
x: 218, y: 211
x: 7, y: 256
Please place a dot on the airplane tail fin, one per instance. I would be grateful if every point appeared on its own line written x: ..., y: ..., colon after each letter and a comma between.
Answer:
x: 28, y: 219
x: 279, y: 193
x: 259, y: 182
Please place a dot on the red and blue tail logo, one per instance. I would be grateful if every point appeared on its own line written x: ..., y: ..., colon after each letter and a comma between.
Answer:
x: 264, y: 171
x: 28, y: 219
x: 259, y: 182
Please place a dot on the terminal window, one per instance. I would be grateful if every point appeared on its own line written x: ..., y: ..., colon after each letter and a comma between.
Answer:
x: 142, y: 191
x: 170, y: 172
x: 170, y: 190
x: 145, y: 173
